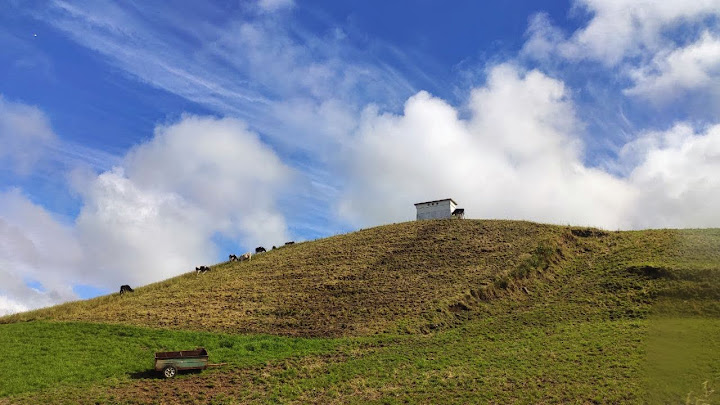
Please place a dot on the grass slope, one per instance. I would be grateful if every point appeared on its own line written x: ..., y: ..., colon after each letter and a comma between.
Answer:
x: 354, y: 284
x: 415, y: 276
x: 467, y: 311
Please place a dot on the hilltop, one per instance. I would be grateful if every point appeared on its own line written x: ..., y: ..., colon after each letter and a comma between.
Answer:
x: 418, y: 277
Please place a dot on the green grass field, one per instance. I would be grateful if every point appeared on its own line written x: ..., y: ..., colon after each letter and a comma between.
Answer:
x: 40, y: 355
x: 496, y: 360
x: 421, y: 312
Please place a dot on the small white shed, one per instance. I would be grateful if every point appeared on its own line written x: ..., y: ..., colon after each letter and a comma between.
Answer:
x: 438, y: 209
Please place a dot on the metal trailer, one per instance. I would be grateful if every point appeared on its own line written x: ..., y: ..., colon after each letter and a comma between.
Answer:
x: 172, y: 362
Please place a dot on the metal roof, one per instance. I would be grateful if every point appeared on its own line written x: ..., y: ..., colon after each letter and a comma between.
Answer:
x: 446, y: 199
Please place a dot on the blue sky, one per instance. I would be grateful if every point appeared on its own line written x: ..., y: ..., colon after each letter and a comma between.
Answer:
x: 140, y: 139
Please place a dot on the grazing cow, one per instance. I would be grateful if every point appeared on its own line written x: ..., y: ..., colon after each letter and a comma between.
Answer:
x: 125, y: 289
x: 202, y: 269
x: 289, y: 243
x: 274, y: 247
x: 233, y: 258
x: 246, y: 256
x: 260, y: 249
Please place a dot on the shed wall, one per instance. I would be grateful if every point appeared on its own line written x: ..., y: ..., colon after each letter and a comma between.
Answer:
x: 435, y: 210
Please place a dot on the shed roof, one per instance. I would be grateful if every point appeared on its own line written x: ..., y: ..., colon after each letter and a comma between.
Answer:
x: 446, y: 199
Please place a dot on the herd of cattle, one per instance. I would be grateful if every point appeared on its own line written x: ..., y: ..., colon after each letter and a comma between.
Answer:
x: 202, y: 269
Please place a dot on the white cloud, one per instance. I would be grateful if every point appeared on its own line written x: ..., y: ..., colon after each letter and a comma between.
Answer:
x: 517, y: 156
x: 136, y: 236
x: 156, y: 217
x: 674, y: 72
x: 36, y: 247
x: 214, y: 163
x: 677, y: 175
x: 618, y: 29
x: 628, y: 27
x: 9, y: 306
x: 25, y: 136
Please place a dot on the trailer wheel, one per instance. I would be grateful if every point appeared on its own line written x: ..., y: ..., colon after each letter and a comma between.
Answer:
x: 169, y: 371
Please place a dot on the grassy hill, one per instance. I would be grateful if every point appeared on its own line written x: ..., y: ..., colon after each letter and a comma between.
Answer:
x: 432, y: 311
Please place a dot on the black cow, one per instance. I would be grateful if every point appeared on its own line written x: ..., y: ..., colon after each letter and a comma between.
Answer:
x: 202, y: 269
x: 125, y: 289
x: 260, y: 249
x: 233, y: 258
x: 274, y: 247
x: 289, y: 243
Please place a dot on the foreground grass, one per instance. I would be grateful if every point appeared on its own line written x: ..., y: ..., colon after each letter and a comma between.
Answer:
x: 478, y: 363
x: 42, y: 355
x: 503, y: 359
x: 683, y: 361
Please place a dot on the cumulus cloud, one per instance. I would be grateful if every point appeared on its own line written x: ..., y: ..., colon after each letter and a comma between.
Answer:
x: 214, y: 163
x: 133, y: 235
x: 629, y: 27
x: 674, y: 72
x: 677, y: 173
x: 517, y: 156
x: 37, y: 247
x: 155, y: 216
x: 25, y: 135
x: 9, y: 306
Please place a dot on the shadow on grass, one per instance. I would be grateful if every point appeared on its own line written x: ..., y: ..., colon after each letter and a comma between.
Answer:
x: 151, y: 374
